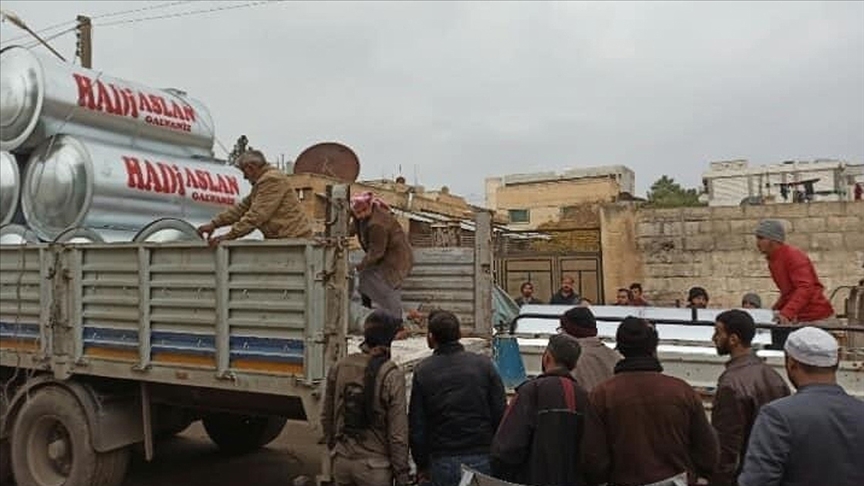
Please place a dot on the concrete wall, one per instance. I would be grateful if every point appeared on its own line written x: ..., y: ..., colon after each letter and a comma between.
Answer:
x: 715, y: 248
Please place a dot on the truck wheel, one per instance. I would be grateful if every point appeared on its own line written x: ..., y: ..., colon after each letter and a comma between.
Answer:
x: 5, y: 462
x: 169, y: 422
x: 52, y: 445
x: 239, y: 434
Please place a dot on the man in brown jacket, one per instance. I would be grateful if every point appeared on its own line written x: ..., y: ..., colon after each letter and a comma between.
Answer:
x: 389, y: 257
x: 597, y: 362
x: 746, y: 385
x: 365, y: 412
x: 655, y: 424
x: 272, y: 206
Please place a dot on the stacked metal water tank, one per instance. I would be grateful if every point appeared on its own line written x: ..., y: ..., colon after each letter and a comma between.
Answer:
x: 88, y: 157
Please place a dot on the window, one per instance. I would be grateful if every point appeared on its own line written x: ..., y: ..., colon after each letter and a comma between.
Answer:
x: 519, y: 216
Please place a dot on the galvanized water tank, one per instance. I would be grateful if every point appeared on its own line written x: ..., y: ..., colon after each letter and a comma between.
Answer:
x: 16, y: 234
x: 10, y: 186
x: 41, y: 96
x: 73, y: 181
x: 167, y: 229
x: 79, y: 235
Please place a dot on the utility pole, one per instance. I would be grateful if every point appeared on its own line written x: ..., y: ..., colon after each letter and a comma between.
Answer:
x: 85, y: 45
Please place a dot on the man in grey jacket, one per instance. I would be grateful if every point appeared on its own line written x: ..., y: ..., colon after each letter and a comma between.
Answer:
x: 815, y: 436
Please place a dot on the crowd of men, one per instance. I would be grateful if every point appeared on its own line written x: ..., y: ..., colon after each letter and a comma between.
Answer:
x: 595, y: 415
x: 598, y: 415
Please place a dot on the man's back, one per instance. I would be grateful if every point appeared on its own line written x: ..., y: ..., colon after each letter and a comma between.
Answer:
x: 390, y: 381
x: 596, y: 364
x: 815, y: 437
x: 457, y: 401
x: 288, y: 219
x: 656, y: 428
x: 387, y: 245
x: 551, y: 435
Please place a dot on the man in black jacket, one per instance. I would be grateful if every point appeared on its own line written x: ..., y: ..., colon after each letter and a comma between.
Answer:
x: 457, y: 401
x: 567, y: 294
x: 550, y: 435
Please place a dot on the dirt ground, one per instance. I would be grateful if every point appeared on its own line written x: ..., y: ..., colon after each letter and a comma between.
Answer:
x: 190, y: 459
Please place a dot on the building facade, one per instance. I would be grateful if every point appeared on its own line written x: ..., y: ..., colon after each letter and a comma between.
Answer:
x: 530, y: 200
x: 735, y: 182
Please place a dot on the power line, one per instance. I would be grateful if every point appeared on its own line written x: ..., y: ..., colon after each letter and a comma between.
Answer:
x: 142, y: 9
x: 46, y: 29
x: 185, y: 14
x: 102, y: 16
x: 50, y: 37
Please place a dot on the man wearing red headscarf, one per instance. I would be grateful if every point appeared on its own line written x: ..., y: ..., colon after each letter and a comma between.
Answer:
x: 389, y: 257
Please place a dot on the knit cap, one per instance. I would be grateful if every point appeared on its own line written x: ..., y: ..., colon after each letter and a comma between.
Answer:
x: 771, y: 229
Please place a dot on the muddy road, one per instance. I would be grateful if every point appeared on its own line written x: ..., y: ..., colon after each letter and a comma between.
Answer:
x: 190, y: 459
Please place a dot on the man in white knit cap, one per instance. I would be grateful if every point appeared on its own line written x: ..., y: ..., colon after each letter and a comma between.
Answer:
x: 814, y: 437
x: 802, y: 299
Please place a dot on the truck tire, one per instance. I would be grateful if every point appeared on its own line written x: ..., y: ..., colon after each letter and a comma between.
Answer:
x: 169, y: 422
x: 5, y: 462
x: 52, y: 445
x: 238, y: 434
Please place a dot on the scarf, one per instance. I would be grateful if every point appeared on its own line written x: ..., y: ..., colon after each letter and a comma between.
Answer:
x: 364, y: 199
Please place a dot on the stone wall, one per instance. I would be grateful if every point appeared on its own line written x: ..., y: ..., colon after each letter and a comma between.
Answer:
x: 622, y: 260
x: 715, y: 248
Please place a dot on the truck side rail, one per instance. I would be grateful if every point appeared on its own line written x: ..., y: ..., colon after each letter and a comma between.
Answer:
x: 246, y: 316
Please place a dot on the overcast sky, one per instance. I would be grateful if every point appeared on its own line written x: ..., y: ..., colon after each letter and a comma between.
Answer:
x: 463, y: 91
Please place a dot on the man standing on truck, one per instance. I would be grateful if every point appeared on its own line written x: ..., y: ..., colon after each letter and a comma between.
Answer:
x: 272, y: 207
x: 745, y: 385
x: 802, y: 300
x: 389, y: 257
x: 364, y: 415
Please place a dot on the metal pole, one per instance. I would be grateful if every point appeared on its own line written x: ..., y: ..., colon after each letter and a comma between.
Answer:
x: 20, y: 24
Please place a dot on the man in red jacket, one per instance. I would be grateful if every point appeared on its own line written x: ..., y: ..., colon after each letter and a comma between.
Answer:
x: 802, y: 299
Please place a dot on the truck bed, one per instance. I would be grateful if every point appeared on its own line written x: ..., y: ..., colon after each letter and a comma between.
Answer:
x: 248, y: 316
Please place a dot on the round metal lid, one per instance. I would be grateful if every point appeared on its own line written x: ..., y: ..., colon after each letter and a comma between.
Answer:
x: 330, y: 159
x: 58, y: 186
x: 16, y: 234
x: 10, y: 186
x: 167, y: 229
x: 22, y: 94
x: 79, y: 235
